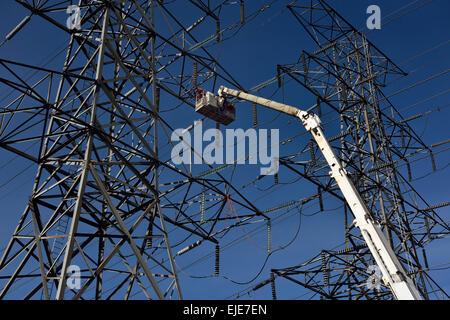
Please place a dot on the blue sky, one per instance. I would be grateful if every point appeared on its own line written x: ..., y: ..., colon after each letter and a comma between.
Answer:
x: 251, y: 57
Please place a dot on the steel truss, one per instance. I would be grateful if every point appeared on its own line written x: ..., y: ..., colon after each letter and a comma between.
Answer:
x: 346, y: 73
x: 105, y: 197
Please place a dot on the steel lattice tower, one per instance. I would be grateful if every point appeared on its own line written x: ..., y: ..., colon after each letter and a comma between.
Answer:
x: 375, y: 144
x: 105, y: 197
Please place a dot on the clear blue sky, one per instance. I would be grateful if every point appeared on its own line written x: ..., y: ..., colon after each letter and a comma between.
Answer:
x: 251, y: 57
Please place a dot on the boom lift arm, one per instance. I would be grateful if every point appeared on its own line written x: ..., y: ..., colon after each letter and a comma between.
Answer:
x: 394, y: 275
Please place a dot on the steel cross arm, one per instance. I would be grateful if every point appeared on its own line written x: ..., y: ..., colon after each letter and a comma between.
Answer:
x: 394, y: 275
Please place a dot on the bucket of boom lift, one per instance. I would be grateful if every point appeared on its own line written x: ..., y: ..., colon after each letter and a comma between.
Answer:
x: 215, y: 108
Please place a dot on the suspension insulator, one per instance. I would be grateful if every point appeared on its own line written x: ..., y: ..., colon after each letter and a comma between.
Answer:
x: 344, y: 95
x: 427, y: 226
x: 408, y: 167
x: 157, y: 96
x: 347, y: 250
x: 437, y: 206
x: 242, y: 12
x: 319, y: 110
x: 433, y: 163
x: 324, y: 269
x: 305, y: 69
x: 22, y: 23
x: 278, y: 76
x: 202, y: 207
x: 269, y: 237
x: 217, y: 135
x: 217, y: 265
x: 218, y: 30
x: 150, y: 237
x: 402, y: 136
x: 425, y: 258
x: 188, y: 248
x: 194, y: 76
x: 347, y: 228
x: 319, y: 191
x: 261, y: 284
x: 272, y: 284
x: 311, y: 150
x: 255, y: 115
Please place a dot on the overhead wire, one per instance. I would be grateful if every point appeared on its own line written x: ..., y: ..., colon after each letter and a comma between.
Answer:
x: 259, y: 229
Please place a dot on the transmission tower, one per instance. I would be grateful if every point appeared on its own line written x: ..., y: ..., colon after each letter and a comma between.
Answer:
x: 97, y: 123
x: 375, y: 144
x: 106, y: 198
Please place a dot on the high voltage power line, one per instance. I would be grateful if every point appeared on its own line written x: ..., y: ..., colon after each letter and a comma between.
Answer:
x: 120, y: 188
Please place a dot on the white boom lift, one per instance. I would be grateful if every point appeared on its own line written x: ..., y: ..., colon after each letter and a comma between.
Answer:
x: 394, y: 275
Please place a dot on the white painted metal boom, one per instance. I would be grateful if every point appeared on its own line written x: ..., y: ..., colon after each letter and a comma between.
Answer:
x: 393, y: 272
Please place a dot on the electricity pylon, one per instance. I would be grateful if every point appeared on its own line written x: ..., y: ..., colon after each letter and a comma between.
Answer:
x: 375, y: 144
x: 108, y: 209
x: 106, y: 198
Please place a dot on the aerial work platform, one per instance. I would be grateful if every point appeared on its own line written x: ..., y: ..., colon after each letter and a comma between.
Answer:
x: 215, y: 108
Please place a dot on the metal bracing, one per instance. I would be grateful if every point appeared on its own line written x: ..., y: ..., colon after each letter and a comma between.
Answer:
x: 96, y: 123
x: 346, y: 74
x: 392, y: 271
x: 105, y: 197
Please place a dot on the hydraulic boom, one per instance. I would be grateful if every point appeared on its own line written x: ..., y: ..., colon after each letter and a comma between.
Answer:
x: 394, y: 275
